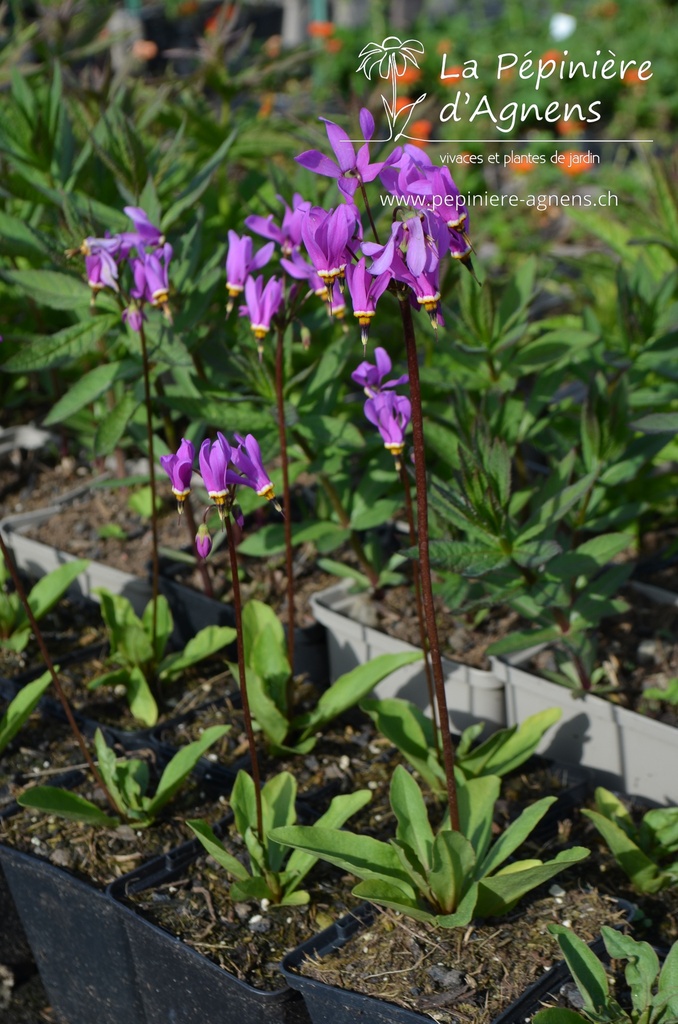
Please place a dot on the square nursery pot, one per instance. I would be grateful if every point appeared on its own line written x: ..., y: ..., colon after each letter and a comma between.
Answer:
x: 175, y: 982
x: 330, y: 1005
x: 473, y: 695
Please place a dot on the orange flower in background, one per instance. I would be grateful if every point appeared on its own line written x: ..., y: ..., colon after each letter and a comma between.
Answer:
x: 320, y: 29
x: 422, y: 129
x: 188, y: 7
x: 410, y: 75
x: 555, y: 55
x: 443, y: 46
x: 631, y: 77
x: 606, y: 10
x: 401, y: 102
x: 570, y: 127
x: 575, y: 162
x: 521, y: 163
x: 333, y: 45
x: 267, y: 105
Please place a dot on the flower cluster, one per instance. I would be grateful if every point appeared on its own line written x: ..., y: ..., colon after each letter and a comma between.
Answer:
x: 325, y: 247
x: 223, y: 467
x: 390, y: 413
x: 147, y: 255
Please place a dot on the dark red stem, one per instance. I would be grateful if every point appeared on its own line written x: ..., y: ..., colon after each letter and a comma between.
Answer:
x: 287, y: 520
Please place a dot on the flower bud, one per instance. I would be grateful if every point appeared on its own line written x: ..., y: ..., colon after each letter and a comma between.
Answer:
x: 203, y: 541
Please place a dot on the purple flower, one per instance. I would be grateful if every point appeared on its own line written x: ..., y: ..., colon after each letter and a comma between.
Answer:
x: 365, y: 290
x: 247, y: 460
x: 390, y: 413
x: 214, y: 459
x: 287, y: 235
x: 241, y: 261
x: 133, y: 316
x: 326, y: 235
x: 102, y: 271
x: 370, y: 376
x: 300, y: 269
x: 179, y: 468
x: 151, y: 276
x: 261, y: 305
x: 349, y: 169
x: 203, y: 541
x: 145, y: 232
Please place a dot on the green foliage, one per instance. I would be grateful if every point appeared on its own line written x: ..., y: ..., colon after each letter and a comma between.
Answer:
x: 274, y: 874
x: 127, y: 781
x: 268, y: 676
x: 654, y: 991
x: 411, y: 732
x: 141, y: 666
x: 15, y: 627
x: 648, y: 852
x: 447, y: 878
x: 21, y: 707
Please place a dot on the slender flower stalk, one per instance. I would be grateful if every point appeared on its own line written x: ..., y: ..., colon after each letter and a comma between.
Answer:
x: 9, y: 562
x: 237, y: 605
x: 287, y: 521
x: 155, y: 562
x: 424, y: 560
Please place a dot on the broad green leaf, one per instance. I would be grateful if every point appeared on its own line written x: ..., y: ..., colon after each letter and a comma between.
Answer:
x: 270, y: 720
x: 411, y: 732
x: 21, y: 707
x: 108, y: 762
x: 163, y: 624
x: 41, y: 352
x: 64, y: 804
x: 205, y: 643
x: 111, y: 428
x: 337, y: 814
x: 657, y: 423
x: 344, y: 571
x: 586, y: 968
x: 362, y: 855
x: 476, y: 799
x: 118, y: 677
x: 413, y: 829
x: 395, y: 895
x: 127, y: 635
x: 182, y: 764
x: 642, y: 968
x: 558, y: 1015
x: 466, y: 558
x: 518, y: 641
x: 87, y: 389
x: 514, y: 836
x: 350, y: 689
x: 266, y: 650
x: 452, y: 863
x: 243, y: 803
x: 51, y: 288
x: 506, y: 749
x: 141, y: 700
x: 499, y: 893
x: 216, y: 849
x: 668, y: 979
x: 51, y: 588
x: 270, y: 539
x: 644, y: 873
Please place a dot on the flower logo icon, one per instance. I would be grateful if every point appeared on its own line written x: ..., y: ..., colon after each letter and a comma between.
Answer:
x: 390, y: 60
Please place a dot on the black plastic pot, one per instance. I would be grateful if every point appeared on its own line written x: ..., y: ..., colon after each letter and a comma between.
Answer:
x: 78, y: 940
x: 175, y: 982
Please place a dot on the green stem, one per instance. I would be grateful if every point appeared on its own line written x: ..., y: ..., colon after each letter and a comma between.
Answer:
x: 237, y: 605
x: 287, y: 520
x: 424, y: 560
x: 9, y: 562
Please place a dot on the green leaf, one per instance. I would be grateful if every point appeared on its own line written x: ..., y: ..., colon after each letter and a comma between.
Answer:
x: 182, y: 764
x: 518, y: 641
x: 204, y: 644
x: 337, y: 814
x: 129, y: 640
x: 141, y: 700
x: 164, y: 624
x: 558, y: 1015
x: 586, y: 969
x: 514, y: 836
x: 499, y: 893
x: 657, y: 423
x: 506, y: 749
x: 344, y: 571
x: 51, y: 588
x: 408, y: 729
x: 112, y: 427
x: 452, y: 865
x: 88, y: 388
x: 270, y: 720
x: 44, y: 353
x: 644, y: 873
x: 216, y: 849
x: 413, y: 830
x: 641, y: 970
x: 466, y: 558
x: 350, y: 688
x: 667, y: 988
x: 266, y: 650
x: 360, y: 854
x: 396, y: 895
x: 50, y: 288
x: 270, y: 539
x: 64, y: 804
x: 21, y: 707
x: 476, y: 799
